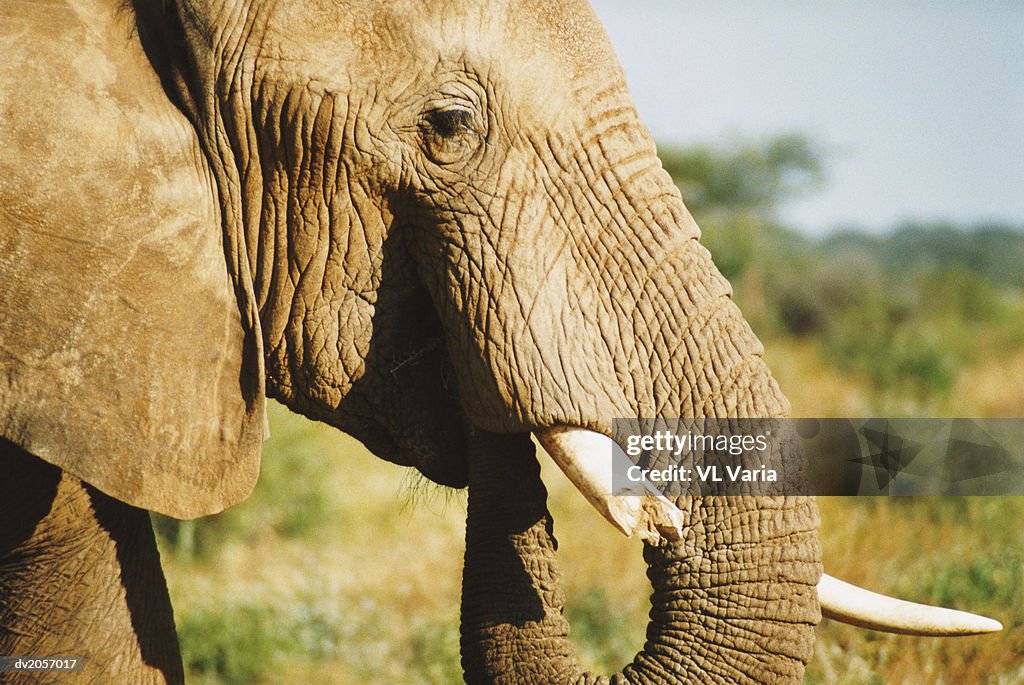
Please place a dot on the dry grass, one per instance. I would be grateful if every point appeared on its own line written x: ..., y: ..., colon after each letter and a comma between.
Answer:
x: 961, y: 552
x: 995, y: 387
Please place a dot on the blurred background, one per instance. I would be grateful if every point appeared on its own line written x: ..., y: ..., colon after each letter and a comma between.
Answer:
x: 856, y: 170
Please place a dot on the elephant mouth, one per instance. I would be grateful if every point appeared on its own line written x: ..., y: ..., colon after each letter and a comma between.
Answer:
x: 589, y: 459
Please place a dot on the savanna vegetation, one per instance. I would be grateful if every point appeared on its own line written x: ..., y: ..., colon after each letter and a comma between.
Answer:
x: 342, y: 568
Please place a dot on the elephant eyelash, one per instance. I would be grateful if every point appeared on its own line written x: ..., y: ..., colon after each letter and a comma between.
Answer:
x: 449, y: 123
x: 451, y: 134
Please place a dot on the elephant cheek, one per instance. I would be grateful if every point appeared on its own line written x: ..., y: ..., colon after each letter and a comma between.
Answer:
x: 409, y: 414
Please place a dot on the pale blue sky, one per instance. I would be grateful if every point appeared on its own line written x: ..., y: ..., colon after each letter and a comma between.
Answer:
x: 920, y: 103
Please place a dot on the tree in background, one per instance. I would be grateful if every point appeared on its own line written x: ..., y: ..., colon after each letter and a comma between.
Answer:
x: 909, y: 310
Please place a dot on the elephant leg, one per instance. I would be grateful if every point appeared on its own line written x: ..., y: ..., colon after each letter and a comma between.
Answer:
x: 80, y: 576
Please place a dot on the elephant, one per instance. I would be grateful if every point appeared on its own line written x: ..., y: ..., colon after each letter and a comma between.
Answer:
x: 439, y: 227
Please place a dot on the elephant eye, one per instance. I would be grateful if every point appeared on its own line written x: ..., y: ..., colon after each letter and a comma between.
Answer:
x: 449, y: 123
x: 450, y: 134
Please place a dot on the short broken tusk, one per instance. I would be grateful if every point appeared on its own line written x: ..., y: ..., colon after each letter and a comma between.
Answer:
x: 589, y: 460
x: 850, y: 604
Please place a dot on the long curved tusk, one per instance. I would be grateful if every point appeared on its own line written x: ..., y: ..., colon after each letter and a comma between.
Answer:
x: 850, y: 604
x: 589, y: 460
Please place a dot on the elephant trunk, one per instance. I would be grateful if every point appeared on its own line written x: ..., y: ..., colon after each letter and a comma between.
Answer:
x: 512, y: 624
x: 733, y: 601
x: 734, y: 597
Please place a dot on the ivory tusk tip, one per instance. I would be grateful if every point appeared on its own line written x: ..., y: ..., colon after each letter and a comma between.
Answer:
x: 988, y: 625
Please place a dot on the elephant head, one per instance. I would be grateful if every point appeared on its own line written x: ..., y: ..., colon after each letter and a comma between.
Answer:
x: 437, y: 226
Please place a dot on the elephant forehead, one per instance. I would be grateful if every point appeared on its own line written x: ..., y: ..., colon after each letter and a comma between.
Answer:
x: 557, y: 39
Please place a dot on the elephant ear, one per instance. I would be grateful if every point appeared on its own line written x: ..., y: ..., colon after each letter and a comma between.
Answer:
x: 127, y: 356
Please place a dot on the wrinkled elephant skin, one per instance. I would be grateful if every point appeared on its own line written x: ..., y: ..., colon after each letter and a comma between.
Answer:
x: 437, y: 226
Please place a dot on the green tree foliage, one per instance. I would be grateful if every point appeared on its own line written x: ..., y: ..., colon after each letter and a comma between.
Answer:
x: 743, y: 176
x: 735, y: 192
x: 991, y: 252
x: 903, y: 309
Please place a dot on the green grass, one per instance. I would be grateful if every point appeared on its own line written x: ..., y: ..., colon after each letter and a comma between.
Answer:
x: 964, y: 553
